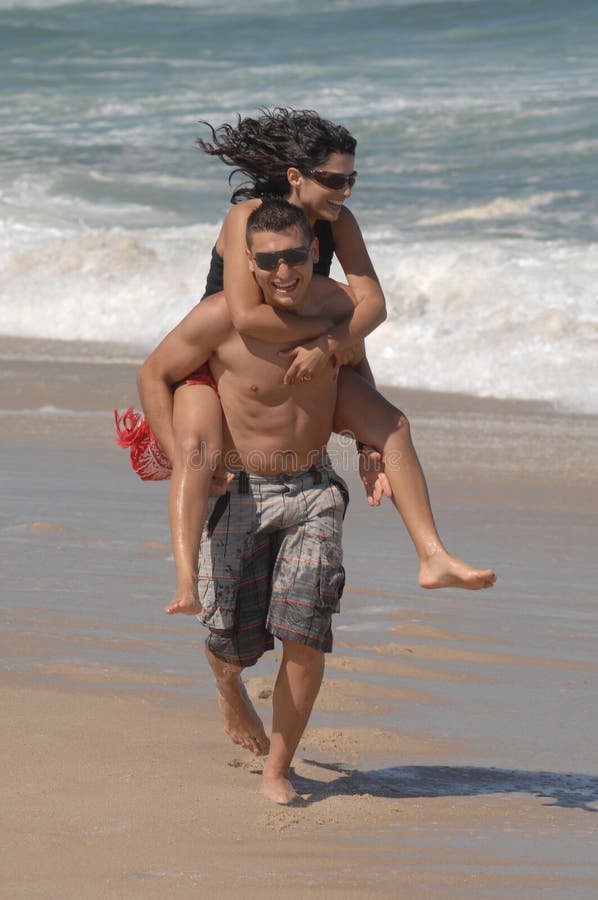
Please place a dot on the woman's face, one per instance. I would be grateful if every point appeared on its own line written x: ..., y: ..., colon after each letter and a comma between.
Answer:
x: 316, y: 199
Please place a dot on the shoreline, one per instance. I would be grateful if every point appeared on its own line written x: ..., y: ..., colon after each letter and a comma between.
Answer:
x: 458, y: 436
x: 22, y: 352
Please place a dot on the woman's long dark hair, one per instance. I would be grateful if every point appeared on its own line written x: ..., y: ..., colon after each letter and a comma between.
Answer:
x: 264, y: 148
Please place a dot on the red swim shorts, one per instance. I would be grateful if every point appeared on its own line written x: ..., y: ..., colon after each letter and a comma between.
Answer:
x: 201, y: 376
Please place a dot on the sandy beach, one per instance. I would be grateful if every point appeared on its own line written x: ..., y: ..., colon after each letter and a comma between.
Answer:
x: 452, y: 752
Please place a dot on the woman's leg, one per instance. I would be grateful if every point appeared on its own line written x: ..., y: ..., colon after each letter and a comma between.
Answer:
x: 366, y: 414
x: 197, y: 423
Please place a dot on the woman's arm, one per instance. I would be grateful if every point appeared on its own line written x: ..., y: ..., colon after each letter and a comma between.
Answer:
x: 370, y: 308
x: 250, y: 315
x: 352, y: 254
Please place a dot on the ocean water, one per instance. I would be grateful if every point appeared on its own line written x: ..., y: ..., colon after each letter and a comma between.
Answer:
x: 477, y: 152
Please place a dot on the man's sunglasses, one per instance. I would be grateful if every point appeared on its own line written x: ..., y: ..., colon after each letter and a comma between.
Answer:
x: 333, y: 180
x: 294, y: 256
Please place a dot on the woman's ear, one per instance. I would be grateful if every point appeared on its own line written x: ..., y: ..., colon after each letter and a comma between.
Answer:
x: 294, y: 176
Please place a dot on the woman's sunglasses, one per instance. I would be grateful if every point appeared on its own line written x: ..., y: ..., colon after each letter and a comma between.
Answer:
x: 333, y: 180
x: 294, y: 256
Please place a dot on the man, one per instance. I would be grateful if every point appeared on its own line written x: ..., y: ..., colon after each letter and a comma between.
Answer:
x: 271, y: 565
x: 271, y: 555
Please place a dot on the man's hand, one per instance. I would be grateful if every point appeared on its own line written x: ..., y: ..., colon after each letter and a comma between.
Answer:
x: 371, y: 472
x: 220, y: 480
x: 185, y: 601
x: 307, y: 361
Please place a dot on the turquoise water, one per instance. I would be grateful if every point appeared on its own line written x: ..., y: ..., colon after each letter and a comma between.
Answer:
x: 477, y: 153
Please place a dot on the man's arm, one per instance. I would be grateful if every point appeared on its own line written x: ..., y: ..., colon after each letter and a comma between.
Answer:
x: 182, y: 351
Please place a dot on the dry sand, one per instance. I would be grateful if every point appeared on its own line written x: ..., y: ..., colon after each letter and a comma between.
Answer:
x: 452, y: 753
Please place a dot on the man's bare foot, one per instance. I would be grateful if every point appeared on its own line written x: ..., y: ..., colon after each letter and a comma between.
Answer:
x: 442, y: 570
x: 241, y: 722
x: 277, y: 788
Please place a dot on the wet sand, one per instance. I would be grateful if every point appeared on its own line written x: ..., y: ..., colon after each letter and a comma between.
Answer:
x: 452, y: 753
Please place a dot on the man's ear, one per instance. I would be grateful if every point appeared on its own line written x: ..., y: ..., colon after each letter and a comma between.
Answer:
x: 315, y: 251
x: 250, y: 259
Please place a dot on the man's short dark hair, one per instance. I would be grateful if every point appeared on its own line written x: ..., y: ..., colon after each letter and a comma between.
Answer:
x: 275, y: 215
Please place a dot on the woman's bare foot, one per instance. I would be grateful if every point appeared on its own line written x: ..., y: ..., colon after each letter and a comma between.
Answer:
x: 241, y: 722
x: 441, y: 570
x: 185, y: 601
x: 277, y: 788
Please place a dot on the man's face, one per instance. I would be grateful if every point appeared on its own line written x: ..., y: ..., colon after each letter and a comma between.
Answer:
x: 285, y: 286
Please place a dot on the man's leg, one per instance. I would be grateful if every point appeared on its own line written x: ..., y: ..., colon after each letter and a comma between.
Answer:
x: 297, y: 685
x: 241, y: 721
x: 233, y: 588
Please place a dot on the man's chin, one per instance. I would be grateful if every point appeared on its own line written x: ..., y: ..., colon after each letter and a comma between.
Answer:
x: 284, y: 302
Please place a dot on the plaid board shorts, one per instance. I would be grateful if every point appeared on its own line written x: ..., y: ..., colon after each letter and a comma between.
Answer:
x: 271, y: 563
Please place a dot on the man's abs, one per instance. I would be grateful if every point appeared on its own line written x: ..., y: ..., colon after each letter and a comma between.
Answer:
x: 285, y: 436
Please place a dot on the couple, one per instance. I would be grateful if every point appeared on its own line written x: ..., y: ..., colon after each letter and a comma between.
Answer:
x: 270, y: 562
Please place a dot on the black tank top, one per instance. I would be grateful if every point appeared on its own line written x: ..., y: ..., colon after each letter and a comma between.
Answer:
x: 323, y: 232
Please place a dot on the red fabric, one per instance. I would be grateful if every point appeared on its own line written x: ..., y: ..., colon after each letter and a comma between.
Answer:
x: 147, y: 457
x: 202, y: 375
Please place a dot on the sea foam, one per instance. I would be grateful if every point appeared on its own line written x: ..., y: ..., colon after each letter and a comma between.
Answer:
x: 507, y: 319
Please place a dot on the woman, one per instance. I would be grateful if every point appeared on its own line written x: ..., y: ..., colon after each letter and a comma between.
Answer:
x: 310, y: 162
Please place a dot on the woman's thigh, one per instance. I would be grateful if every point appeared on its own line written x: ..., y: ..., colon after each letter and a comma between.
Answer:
x: 362, y: 411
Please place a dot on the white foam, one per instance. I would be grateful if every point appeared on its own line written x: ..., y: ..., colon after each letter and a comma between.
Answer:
x: 512, y: 319
x: 507, y: 319
x: 500, y: 208
x: 129, y: 287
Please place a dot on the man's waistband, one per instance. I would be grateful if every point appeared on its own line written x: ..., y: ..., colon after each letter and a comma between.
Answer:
x: 316, y: 473
x: 320, y: 473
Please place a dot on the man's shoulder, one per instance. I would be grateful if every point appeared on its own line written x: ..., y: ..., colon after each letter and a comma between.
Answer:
x: 210, y: 314
x: 215, y: 307
x: 330, y: 295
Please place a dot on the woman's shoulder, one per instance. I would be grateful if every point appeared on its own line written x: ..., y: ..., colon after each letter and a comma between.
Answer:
x: 346, y: 222
x: 232, y: 232
x: 241, y: 211
x: 349, y: 243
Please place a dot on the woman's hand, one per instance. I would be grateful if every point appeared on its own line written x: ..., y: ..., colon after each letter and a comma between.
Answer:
x: 349, y: 356
x: 307, y: 361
